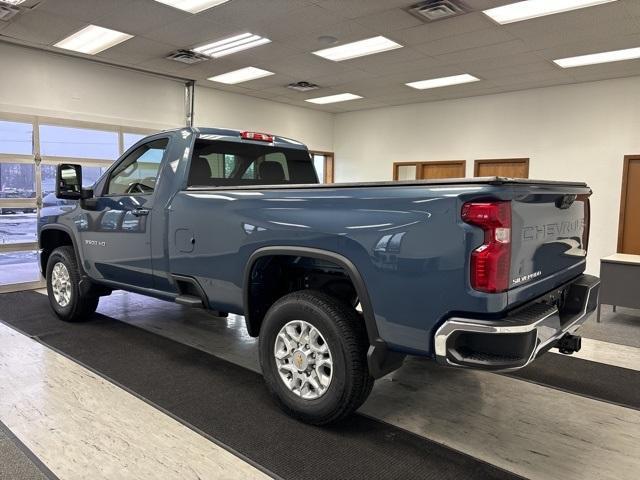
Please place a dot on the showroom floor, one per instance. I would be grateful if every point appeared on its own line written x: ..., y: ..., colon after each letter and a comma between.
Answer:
x: 570, y: 417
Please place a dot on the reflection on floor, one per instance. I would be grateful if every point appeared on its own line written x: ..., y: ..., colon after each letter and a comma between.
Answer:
x: 535, y: 431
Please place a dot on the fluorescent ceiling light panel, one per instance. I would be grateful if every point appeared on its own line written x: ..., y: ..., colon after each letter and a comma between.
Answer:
x: 516, y: 12
x: 443, y: 81
x: 231, y: 45
x: 341, y: 97
x: 595, y: 58
x: 368, y: 46
x: 242, y: 75
x: 192, y: 6
x: 92, y: 40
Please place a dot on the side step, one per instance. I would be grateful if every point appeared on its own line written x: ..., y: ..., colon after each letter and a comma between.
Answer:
x: 189, y: 301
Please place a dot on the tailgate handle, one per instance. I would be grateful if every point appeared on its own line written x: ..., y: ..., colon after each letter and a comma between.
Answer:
x: 565, y: 201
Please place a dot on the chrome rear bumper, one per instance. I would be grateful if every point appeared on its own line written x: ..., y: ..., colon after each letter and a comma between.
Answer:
x: 514, y: 341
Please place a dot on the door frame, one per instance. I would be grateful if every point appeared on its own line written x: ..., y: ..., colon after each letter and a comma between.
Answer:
x: 477, y: 163
x: 329, y: 164
x: 397, y: 165
x: 623, y: 197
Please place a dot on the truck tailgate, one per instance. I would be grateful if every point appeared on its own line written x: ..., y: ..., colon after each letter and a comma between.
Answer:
x: 550, y: 231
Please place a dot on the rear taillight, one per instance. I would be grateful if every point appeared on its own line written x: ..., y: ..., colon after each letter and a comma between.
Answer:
x: 261, y: 137
x: 490, y: 262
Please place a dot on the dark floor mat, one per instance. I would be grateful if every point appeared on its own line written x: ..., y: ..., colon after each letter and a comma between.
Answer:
x: 583, y: 377
x: 231, y: 404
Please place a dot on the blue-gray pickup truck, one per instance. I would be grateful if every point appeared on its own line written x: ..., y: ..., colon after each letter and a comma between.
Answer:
x: 339, y: 282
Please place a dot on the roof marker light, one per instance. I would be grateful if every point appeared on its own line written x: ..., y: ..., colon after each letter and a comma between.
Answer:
x: 260, y: 137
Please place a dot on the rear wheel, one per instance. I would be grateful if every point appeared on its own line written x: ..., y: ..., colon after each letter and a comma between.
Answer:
x: 313, y: 356
x: 63, y: 287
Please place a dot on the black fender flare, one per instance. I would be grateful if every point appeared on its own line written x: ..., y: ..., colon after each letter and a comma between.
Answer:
x: 380, y: 359
x: 69, y: 232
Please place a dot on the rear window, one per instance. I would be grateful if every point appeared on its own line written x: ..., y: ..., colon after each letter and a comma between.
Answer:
x: 219, y: 163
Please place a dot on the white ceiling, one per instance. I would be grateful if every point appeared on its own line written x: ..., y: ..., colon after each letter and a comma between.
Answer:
x: 511, y: 57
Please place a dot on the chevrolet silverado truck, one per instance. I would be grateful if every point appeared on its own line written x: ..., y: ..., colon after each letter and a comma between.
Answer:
x: 339, y: 282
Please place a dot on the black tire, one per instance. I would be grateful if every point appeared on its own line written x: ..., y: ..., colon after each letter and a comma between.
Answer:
x: 344, y: 332
x: 81, y: 305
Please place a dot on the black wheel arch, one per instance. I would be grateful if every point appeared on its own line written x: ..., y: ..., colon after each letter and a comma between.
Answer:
x: 381, y: 360
x: 60, y: 229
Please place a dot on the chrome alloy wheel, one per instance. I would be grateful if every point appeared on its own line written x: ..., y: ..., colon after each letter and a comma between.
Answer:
x: 303, y: 359
x: 61, y: 284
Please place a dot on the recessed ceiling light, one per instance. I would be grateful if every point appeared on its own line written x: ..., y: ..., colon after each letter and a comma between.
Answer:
x: 92, y: 40
x: 443, y: 81
x: 341, y: 97
x: 242, y: 75
x: 595, y: 58
x: 360, y: 48
x: 516, y: 12
x: 192, y: 6
x: 231, y: 45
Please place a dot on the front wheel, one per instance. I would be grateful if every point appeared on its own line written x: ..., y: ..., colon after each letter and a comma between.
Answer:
x: 313, y: 351
x: 63, y: 287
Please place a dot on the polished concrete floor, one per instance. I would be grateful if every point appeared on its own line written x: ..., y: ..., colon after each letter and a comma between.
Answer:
x: 532, y: 430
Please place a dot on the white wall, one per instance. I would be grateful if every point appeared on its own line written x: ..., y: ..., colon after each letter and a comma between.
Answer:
x: 216, y: 108
x: 42, y: 83
x: 573, y: 132
x: 39, y: 83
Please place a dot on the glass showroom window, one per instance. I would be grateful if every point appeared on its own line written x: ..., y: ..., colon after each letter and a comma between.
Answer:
x: 18, y: 260
x: 16, y: 138
x: 69, y: 142
x: 128, y: 139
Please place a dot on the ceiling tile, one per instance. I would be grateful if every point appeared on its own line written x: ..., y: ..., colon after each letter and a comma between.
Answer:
x: 140, y: 17
x: 87, y: 11
x: 339, y: 78
x: 487, y: 52
x: 428, y: 32
x: 602, y: 44
x: 137, y: 50
x: 298, y: 22
x: 304, y: 66
x: 38, y: 26
x: 162, y: 65
x: 345, y: 32
x: 389, y: 20
x: 360, y: 8
x: 455, y: 43
x: 194, y: 30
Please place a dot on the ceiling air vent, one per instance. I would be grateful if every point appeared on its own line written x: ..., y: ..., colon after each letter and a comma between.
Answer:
x: 7, y: 12
x: 433, y: 10
x: 303, y: 86
x: 187, y: 56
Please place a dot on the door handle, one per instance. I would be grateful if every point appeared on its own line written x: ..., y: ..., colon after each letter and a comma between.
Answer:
x: 140, y: 212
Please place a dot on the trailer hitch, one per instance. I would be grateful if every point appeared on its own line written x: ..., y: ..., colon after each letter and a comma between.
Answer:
x: 569, y: 344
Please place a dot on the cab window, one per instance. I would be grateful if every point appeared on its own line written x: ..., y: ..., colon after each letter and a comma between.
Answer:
x: 137, y: 173
x: 221, y: 163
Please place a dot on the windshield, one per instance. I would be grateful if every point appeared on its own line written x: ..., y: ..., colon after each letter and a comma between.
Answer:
x: 220, y: 163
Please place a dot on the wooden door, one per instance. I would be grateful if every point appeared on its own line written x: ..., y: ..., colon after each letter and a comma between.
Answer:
x: 429, y: 170
x: 323, y: 163
x: 449, y: 169
x: 629, y: 230
x: 511, y: 167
